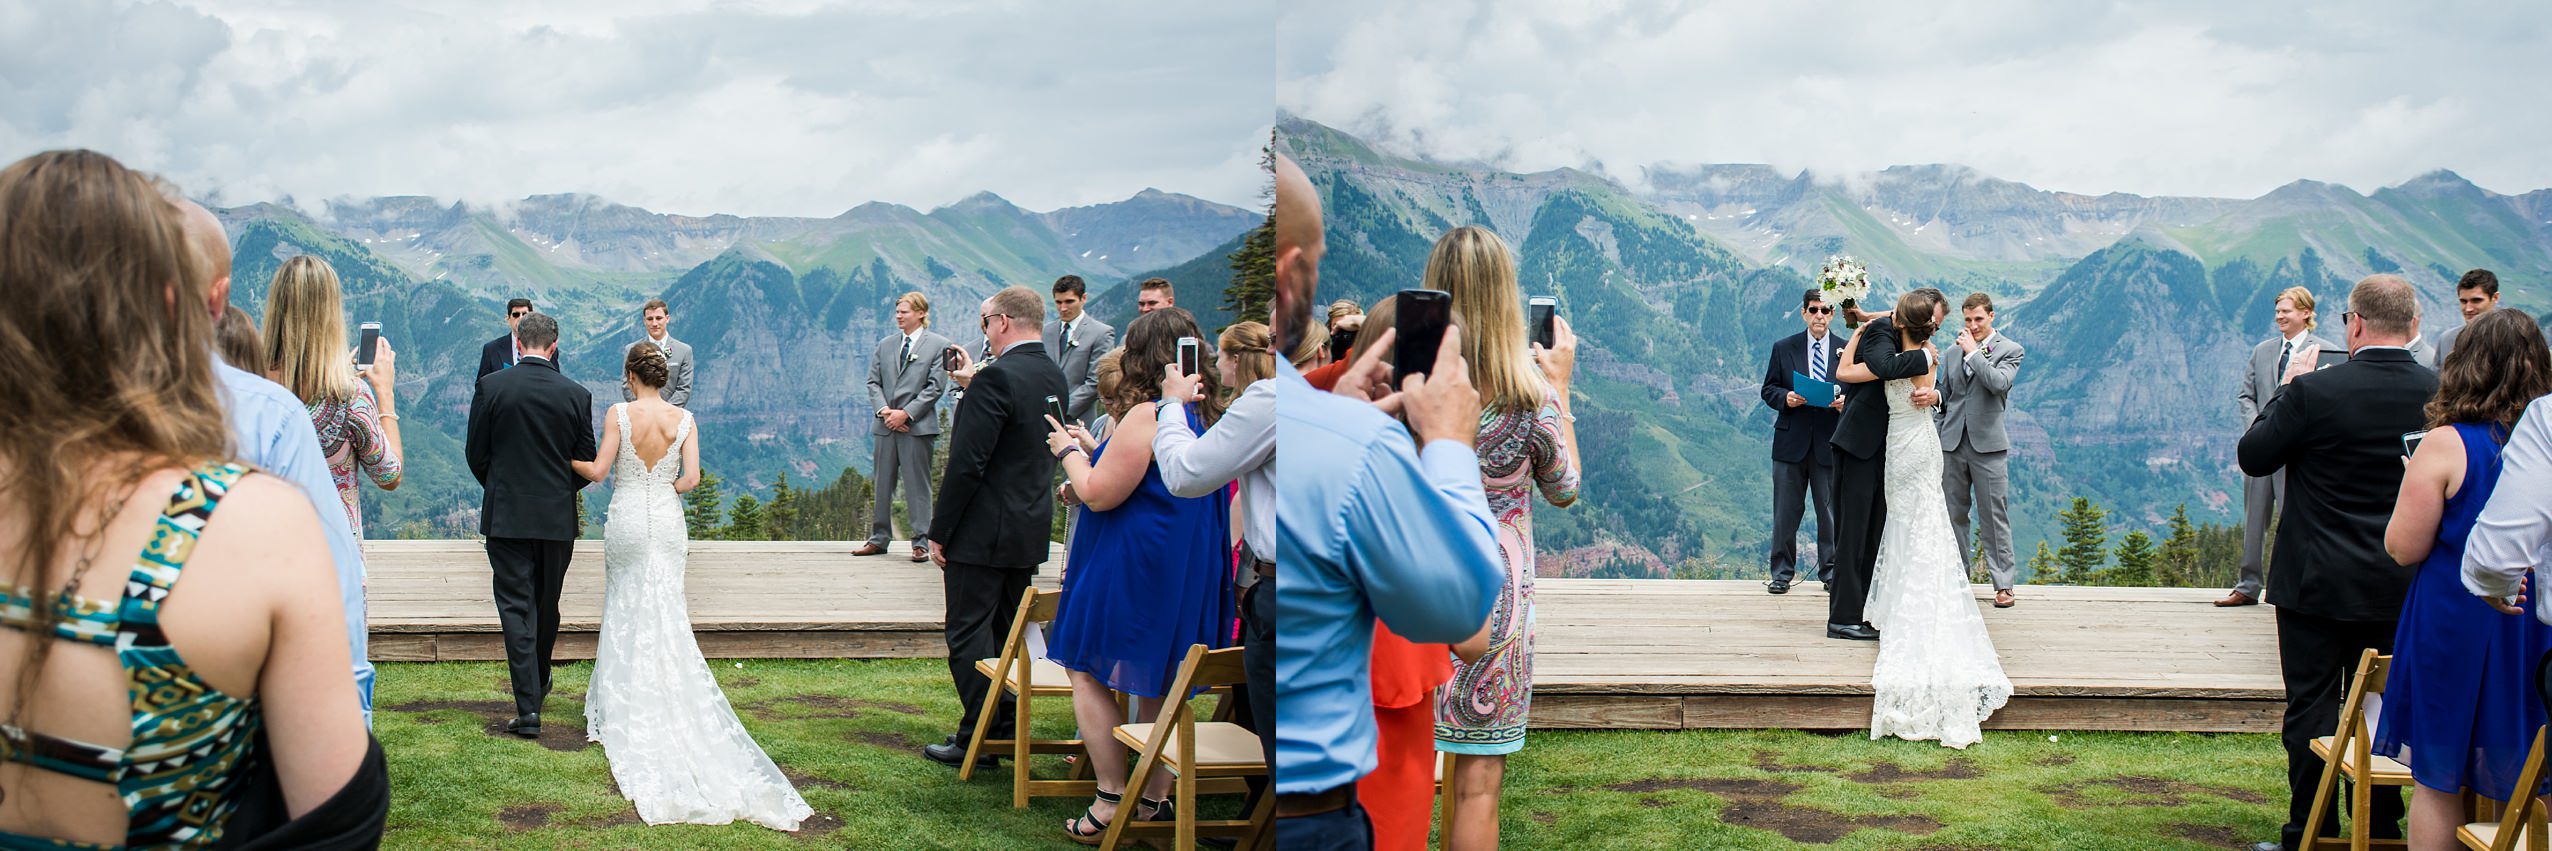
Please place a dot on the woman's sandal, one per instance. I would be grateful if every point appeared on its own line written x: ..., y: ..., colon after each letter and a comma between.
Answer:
x: 1090, y: 817
x: 1160, y: 809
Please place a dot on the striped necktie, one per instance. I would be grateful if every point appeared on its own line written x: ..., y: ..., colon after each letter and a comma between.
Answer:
x: 1816, y: 359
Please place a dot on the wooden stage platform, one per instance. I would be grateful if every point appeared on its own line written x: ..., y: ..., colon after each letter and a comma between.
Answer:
x: 1610, y: 654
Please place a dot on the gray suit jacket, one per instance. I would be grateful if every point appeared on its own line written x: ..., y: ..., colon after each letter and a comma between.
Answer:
x: 2446, y: 344
x: 1078, y: 357
x: 2426, y: 352
x: 913, y: 385
x: 1974, y: 390
x: 2262, y: 384
x: 678, y: 378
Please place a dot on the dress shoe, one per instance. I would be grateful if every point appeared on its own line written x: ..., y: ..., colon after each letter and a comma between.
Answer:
x: 1853, y: 631
x: 870, y: 550
x: 527, y: 726
x: 1777, y: 586
x: 921, y: 553
x: 2238, y: 598
x: 2004, y: 599
x: 952, y: 754
x: 2271, y: 845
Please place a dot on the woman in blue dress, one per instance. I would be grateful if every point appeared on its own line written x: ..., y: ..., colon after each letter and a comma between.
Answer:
x: 1149, y: 573
x: 2460, y: 707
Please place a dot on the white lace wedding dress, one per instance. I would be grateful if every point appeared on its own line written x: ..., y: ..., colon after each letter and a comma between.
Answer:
x: 1937, y: 677
x: 675, y: 745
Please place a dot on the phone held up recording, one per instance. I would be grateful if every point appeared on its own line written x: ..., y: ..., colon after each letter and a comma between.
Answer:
x: 1417, y: 331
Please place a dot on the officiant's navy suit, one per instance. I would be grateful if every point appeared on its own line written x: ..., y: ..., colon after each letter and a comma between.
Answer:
x: 1802, y: 456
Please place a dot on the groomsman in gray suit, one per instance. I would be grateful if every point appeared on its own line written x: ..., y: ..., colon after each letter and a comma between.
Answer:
x: 1077, y: 339
x: 677, y: 355
x: 2274, y: 362
x: 905, y: 383
x: 1975, y: 451
x: 2477, y: 293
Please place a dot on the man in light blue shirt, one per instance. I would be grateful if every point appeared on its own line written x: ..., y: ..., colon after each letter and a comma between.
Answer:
x: 1367, y: 526
x: 273, y: 431
x: 2514, y: 532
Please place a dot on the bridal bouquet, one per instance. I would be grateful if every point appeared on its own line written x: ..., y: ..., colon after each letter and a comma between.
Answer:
x: 1846, y: 279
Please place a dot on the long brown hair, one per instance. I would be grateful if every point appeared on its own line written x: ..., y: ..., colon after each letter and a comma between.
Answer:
x: 92, y: 253
x: 2498, y: 364
x: 1151, y: 343
x: 1477, y: 268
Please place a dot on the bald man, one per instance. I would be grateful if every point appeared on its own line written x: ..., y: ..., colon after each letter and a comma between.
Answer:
x: 1372, y: 528
x: 273, y: 431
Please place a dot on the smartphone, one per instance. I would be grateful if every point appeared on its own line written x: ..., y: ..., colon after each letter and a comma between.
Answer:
x: 1418, y: 330
x: 2410, y: 443
x: 370, y: 346
x: 1341, y: 342
x: 1187, y: 355
x: 1054, y: 408
x: 949, y: 357
x: 1543, y: 312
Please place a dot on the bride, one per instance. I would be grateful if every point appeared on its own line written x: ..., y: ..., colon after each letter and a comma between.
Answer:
x: 1938, y: 677
x: 675, y: 745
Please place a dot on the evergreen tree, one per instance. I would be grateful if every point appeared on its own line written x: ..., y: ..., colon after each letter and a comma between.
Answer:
x: 781, y: 517
x: 700, y: 508
x: 2135, y: 561
x: 1253, y: 265
x: 745, y: 521
x: 2086, y: 532
x: 2042, y: 565
x: 2178, y: 565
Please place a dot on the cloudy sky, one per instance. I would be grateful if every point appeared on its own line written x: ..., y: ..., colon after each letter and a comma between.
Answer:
x: 2188, y: 97
x: 684, y: 106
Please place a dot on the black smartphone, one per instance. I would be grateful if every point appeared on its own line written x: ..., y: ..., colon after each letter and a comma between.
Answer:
x: 370, y: 346
x: 1418, y: 329
x: 1543, y: 312
x: 2410, y: 443
x: 949, y: 357
x: 1187, y: 355
x: 1054, y: 408
x: 1341, y: 342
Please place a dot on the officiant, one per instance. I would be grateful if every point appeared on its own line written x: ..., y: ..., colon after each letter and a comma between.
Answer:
x: 1799, y: 386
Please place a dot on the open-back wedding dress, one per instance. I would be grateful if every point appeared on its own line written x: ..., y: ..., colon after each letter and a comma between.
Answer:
x: 675, y: 745
x: 1938, y: 676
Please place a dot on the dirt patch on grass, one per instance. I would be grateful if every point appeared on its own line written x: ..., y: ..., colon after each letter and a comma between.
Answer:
x: 527, y: 816
x: 818, y: 825
x: 824, y: 706
x: 804, y: 780
x: 1889, y: 772
x: 562, y: 737
x: 2214, y: 835
x: 744, y: 682
x: 1771, y: 761
x: 1544, y: 818
x: 2054, y: 760
x: 2146, y: 792
x: 1756, y: 803
x: 883, y: 740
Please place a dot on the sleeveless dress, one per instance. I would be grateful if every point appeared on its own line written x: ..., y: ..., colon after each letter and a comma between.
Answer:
x: 192, y: 745
x: 1148, y: 579
x: 675, y: 746
x: 2460, y: 706
x: 1938, y: 677
x: 1482, y: 711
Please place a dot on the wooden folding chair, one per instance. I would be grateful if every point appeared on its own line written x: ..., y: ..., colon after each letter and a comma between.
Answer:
x: 2347, y: 754
x: 1018, y: 672
x: 2521, y: 821
x: 1191, y: 751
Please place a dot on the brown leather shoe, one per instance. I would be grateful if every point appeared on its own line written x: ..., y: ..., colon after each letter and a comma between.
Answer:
x: 2238, y: 598
x: 920, y: 553
x: 2004, y: 599
x: 870, y: 550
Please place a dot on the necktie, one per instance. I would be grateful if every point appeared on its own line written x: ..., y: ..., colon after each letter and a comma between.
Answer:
x: 2282, y: 356
x: 908, y: 350
x: 1816, y: 359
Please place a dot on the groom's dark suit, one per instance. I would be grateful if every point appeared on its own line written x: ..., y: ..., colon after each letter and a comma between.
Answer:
x: 526, y: 423
x: 995, y: 513
x: 1860, y: 465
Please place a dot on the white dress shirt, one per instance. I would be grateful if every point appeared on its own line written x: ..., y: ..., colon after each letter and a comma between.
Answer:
x: 1241, y: 445
x: 2514, y: 532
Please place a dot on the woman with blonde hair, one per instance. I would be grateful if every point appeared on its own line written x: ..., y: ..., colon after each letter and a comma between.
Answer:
x: 1527, y: 439
x: 138, y: 553
x: 357, y: 420
x: 1245, y: 359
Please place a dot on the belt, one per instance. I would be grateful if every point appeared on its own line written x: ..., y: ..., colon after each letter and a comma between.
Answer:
x: 1315, y: 803
x: 1265, y: 569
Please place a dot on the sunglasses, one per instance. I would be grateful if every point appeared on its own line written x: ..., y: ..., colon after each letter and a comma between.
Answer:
x: 1821, y: 311
x: 518, y: 314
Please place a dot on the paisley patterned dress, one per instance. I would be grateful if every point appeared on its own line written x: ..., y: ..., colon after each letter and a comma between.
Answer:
x: 1482, y: 711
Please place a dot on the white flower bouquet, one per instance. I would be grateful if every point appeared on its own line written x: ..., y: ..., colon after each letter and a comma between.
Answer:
x: 1846, y: 280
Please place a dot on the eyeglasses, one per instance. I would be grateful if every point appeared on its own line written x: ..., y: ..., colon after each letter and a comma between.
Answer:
x: 2346, y: 315
x: 1820, y: 311
x: 986, y: 322
x: 518, y: 314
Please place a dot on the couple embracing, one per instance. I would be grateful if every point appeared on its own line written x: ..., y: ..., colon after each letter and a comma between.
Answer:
x: 1898, y: 571
x: 676, y: 748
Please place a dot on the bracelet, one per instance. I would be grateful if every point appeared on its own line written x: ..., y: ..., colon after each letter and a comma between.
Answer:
x: 389, y: 417
x: 1075, y: 447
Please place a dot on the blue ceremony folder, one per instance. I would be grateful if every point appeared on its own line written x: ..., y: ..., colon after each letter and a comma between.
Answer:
x: 1818, y: 393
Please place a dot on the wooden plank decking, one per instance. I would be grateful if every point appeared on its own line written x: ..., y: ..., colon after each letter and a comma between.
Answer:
x: 1609, y: 654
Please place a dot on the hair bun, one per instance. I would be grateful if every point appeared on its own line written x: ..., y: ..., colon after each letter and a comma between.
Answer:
x: 647, y: 363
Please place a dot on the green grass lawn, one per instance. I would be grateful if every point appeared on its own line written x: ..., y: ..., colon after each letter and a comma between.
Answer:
x: 849, y: 732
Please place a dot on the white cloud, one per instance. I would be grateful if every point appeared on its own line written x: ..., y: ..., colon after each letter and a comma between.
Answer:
x: 2178, y: 97
x: 781, y: 107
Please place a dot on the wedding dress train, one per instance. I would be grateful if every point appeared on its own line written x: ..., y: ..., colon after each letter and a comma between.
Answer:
x: 676, y: 747
x: 1938, y: 677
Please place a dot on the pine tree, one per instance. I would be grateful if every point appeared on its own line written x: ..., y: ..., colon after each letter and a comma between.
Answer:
x: 781, y: 517
x: 2178, y: 565
x: 1253, y: 265
x: 2042, y: 565
x: 700, y: 508
x: 744, y: 521
x: 2135, y: 561
x: 2086, y: 532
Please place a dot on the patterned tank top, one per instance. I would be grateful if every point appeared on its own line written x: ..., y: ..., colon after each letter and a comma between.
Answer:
x: 190, y: 742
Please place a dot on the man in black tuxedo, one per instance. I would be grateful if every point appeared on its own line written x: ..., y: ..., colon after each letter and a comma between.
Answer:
x: 526, y: 424
x: 1802, y: 441
x: 2336, y: 433
x: 1860, y: 463
x: 990, y: 526
x: 503, y: 351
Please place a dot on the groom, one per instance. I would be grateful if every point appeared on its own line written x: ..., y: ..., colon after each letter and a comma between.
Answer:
x: 526, y: 424
x: 1860, y: 464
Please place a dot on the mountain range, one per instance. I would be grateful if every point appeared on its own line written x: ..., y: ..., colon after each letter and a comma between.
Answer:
x: 2138, y: 314
x: 782, y: 312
